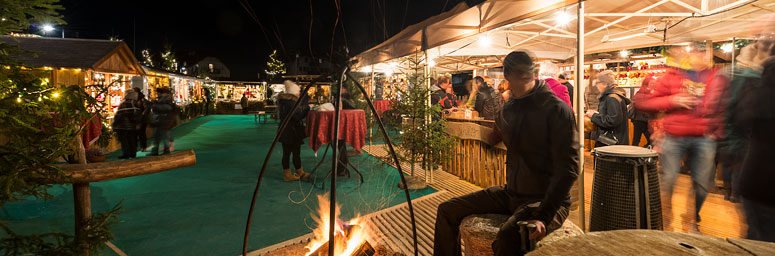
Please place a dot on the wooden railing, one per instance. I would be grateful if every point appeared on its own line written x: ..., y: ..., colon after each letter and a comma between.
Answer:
x: 476, y: 161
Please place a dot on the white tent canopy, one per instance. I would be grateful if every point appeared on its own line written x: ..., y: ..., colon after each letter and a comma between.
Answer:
x: 462, y: 38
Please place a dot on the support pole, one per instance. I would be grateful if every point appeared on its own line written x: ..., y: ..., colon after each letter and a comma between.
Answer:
x: 732, y: 70
x: 81, y: 201
x: 335, y: 163
x: 427, y: 71
x: 373, y: 88
x: 579, y: 107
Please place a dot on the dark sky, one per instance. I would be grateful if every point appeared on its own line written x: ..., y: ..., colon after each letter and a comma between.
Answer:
x: 224, y: 29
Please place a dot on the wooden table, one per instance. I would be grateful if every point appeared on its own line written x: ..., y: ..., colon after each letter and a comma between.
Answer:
x: 653, y: 242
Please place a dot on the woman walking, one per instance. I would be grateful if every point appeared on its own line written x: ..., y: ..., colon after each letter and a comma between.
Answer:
x: 611, y: 116
x: 294, y: 134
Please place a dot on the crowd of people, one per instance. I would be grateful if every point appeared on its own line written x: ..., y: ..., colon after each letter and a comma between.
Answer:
x: 695, y: 115
x: 136, y: 113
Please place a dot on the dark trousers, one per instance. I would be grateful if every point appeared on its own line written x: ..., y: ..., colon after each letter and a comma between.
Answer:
x: 207, y: 107
x: 289, y: 149
x: 640, y: 128
x: 490, y: 200
x: 761, y: 220
x: 161, y: 138
x: 142, y: 136
x: 343, y: 160
x: 128, y: 140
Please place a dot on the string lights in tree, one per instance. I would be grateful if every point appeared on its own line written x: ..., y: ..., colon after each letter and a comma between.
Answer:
x: 147, y: 58
x: 274, y: 66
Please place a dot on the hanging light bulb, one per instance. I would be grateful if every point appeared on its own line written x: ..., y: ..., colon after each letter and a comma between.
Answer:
x: 56, y: 95
x: 19, y: 99
x: 431, y: 63
x: 563, y: 18
x: 624, y: 53
x: 727, y: 48
x: 485, y: 41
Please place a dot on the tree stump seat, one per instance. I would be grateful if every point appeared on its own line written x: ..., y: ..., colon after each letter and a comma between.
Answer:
x: 478, y: 231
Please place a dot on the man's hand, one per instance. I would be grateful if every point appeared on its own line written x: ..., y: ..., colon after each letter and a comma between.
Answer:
x: 590, y: 113
x: 684, y: 101
x: 540, y: 230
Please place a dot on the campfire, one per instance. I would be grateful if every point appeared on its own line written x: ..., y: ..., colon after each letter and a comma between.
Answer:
x: 349, y: 237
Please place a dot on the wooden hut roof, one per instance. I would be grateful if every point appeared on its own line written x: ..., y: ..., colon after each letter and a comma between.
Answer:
x: 99, y: 55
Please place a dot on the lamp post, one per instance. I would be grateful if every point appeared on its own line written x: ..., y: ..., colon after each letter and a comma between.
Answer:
x: 48, y: 28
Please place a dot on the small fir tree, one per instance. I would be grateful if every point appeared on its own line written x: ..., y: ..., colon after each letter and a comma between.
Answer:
x: 169, y: 62
x: 274, y: 66
x: 147, y: 58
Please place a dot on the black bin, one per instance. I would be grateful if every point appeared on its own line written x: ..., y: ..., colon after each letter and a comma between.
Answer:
x: 625, y: 189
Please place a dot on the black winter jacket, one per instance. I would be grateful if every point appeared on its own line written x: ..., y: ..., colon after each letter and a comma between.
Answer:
x: 487, y: 102
x: 612, y: 115
x: 294, y: 133
x: 756, y: 116
x: 539, y: 131
x: 127, y: 116
x: 163, y: 112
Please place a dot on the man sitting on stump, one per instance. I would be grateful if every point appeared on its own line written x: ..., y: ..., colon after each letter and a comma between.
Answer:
x: 539, y: 131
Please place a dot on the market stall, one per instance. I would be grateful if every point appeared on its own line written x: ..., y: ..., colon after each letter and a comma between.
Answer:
x: 83, y: 62
x: 477, y: 38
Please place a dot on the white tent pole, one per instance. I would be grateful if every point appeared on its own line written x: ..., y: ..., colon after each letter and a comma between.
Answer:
x: 579, y: 107
x: 428, y: 172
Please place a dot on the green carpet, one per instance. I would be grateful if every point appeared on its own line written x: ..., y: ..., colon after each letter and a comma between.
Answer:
x: 202, y: 210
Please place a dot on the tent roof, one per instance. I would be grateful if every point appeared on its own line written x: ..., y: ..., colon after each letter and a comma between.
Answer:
x: 453, y: 42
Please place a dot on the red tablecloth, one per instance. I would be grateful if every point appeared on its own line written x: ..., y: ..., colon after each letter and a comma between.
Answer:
x: 352, y: 128
x: 382, y: 106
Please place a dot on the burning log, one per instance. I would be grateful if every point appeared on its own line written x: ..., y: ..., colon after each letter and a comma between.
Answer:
x: 342, y: 238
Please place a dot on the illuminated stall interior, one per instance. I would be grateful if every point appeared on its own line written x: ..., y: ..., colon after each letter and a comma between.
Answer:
x: 83, y: 62
x: 233, y: 90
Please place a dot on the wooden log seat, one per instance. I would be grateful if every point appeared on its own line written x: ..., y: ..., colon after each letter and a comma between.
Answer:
x: 478, y: 232
x: 85, y: 173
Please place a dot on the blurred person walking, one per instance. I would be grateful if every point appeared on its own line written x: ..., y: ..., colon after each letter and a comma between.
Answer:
x: 145, y: 109
x: 563, y: 79
x: 689, y: 96
x: 756, y: 116
x: 442, y: 95
x: 294, y: 134
x: 162, y: 120
x: 546, y: 72
x: 611, y: 117
x: 125, y: 123
x: 640, y: 119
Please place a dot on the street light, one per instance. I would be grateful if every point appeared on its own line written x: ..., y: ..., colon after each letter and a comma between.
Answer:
x: 48, y: 28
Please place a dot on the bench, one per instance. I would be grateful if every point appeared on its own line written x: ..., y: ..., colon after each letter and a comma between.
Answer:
x: 478, y: 232
x: 258, y: 114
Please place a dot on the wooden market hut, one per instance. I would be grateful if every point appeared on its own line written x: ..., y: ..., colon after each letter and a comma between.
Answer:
x: 82, y: 62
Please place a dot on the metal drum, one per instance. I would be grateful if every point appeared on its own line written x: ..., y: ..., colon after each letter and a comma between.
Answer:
x: 625, y: 190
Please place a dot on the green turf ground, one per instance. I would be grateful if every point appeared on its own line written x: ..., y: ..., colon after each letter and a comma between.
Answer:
x: 201, y: 210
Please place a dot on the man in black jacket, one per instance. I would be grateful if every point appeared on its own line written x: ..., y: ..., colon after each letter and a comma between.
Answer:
x: 441, y: 96
x: 487, y: 103
x: 539, y: 131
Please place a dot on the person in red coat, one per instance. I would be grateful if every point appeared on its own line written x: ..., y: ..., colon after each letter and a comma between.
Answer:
x: 689, y: 96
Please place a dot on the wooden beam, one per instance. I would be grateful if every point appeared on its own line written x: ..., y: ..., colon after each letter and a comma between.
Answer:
x: 690, y: 7
x: 652, y: 14
x: 626, y: 17
x: 84, y: 173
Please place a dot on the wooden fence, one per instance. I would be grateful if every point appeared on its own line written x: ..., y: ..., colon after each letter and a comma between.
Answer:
x: 476, y: 161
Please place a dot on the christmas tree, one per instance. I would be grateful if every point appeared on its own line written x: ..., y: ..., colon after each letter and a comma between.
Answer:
x: 147, y: 58
x: 169, y: 62
x: 274, y: 66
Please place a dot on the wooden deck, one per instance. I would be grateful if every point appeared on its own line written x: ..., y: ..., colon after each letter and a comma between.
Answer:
x: 391, y: 227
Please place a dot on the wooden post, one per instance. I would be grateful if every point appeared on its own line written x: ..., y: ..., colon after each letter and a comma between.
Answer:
x: 81, y: 200
x: 578, y: 106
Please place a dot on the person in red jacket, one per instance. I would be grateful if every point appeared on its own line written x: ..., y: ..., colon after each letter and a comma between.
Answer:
x: 689, y: 96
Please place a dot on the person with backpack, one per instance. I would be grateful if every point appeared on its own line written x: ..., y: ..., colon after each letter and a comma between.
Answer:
x: 125, y: 124
x: 611, y: 116
x: 294, y: 134
x: 162, y: 120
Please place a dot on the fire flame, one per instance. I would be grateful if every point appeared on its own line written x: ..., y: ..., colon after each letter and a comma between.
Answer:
x: 348, y: 235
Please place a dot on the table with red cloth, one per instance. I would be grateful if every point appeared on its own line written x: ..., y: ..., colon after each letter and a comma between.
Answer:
x: 382, y: 106
x: 352, y: 128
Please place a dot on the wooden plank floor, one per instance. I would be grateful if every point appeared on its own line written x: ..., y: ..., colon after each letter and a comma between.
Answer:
x: 391, y: 227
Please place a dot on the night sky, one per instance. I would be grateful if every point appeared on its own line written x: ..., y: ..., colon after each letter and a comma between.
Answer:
x: 224, y: 29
